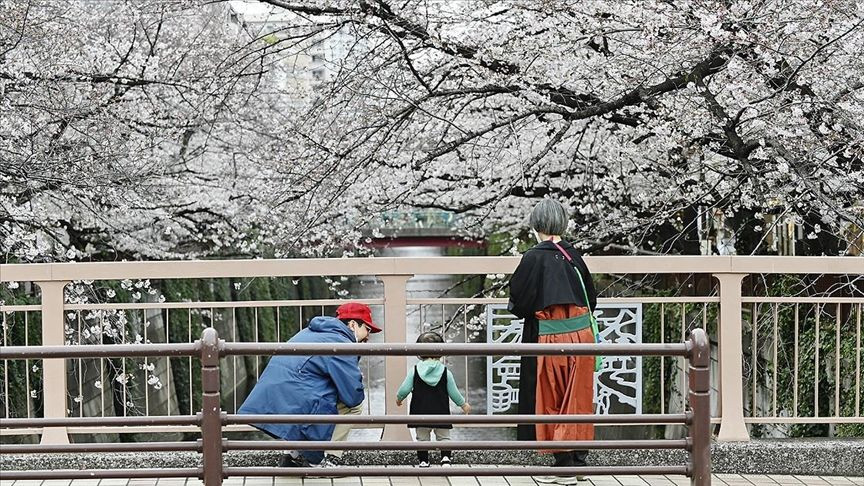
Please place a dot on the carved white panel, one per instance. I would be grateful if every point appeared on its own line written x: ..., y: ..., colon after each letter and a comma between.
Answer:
x: 617, y: 386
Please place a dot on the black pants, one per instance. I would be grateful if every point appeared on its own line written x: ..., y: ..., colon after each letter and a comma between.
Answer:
x: 571, y: 458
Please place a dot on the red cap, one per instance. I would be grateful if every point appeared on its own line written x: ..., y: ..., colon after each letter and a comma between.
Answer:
x: 360, y: 312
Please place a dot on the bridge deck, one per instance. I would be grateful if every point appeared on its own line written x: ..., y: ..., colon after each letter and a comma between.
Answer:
x: 718, y: 480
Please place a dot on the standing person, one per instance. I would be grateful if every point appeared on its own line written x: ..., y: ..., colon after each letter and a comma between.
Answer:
x: 552, y: 291
x: 432, y: 387
x: 321, y: 385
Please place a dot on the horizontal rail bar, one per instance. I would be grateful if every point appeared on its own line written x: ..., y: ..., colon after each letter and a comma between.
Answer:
x: 804, y: 420
x: 476, y: 445
x: 170, y: 429
x: 601, y: 300
x: 455, y: 349
x: 333, y: 302
x: 102, y: 473
x: 451, y: 349
x: 299, y: 267
x: 802, y: 300
x: 474, y: 470
x: 100, y: 421
x: 220, y: 304
x: 683, y: 418
x: 100, y: 351
x: 100, y: 447
x: 20, y: 308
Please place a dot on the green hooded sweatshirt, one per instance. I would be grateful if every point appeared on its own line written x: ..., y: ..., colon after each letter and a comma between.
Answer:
x: 430, y: 371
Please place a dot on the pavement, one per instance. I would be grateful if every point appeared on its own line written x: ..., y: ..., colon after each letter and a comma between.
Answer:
x: 717, y: 480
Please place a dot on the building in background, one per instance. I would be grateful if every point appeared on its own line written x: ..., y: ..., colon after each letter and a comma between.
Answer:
x: 304, y: 54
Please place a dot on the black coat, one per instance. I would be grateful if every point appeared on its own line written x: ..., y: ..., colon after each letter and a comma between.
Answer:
x: 543, y: 278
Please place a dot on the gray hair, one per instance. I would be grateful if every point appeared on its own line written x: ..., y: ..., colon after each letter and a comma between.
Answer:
x: 549, y: 217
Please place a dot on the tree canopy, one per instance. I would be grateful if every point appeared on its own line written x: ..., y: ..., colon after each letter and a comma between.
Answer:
x: 154, y: 129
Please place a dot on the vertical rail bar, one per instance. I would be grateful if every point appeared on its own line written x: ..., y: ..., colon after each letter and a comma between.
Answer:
x: 368, y: 387
x: 731, y: 353
x: 234, y: 357
x: 858, y: 362
x: 146, y: 363
x: 27, y: 365
x: 191, y: 404
x: 662, y: 359
x: 168, y: 361
x: 837, y: 364
x: 5, y: 373
x: 54, y: 387
x: 753, y: 353
x: 210, y: 416
x: 683, y: 359
x: 125, y: 381
x: 465, y: 331
x: 80, y: 373
x: 816, y: 364
x: 102, y: 364
x: 395, y: 300
x: 774, y: 379
x: 258, y: 358
x: 700, y: 402
x: 795, y: 366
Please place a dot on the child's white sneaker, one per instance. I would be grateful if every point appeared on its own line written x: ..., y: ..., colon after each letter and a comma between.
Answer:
x: 424, y: 463
x: 445, y: 461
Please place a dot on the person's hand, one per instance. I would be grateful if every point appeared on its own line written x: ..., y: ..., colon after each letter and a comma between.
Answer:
x: 466, y: 408
x: 398, y: 402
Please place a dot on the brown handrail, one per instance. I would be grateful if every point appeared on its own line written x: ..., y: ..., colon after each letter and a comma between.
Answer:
x: 302, y: 349
x: 22, y: 423
x: 211, y: 418
x: 628, y: 419
x: 455, y: 349
x: 470, y: 445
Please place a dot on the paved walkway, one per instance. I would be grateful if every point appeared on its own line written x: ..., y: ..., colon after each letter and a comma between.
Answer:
x: 718, y: 480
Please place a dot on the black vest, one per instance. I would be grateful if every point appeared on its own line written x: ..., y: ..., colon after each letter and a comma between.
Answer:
x: 430, y: 400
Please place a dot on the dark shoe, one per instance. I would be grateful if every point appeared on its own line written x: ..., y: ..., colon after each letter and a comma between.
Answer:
x: 580, y: 458
x: 563, y: 459
x: 330, y: 461
x: 290, y: 461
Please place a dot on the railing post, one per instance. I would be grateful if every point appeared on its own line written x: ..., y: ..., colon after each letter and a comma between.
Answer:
x: 210, y: 417
x: 731, y: 353
x: 54, y: 390
x: 700, y: 404
x: 395, y: 304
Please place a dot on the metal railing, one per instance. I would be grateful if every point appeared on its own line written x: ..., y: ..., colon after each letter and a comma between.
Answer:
x: 211, y: 419
x: 760, y: 365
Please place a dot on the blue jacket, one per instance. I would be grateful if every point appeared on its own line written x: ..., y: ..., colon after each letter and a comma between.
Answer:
x: 308, y: 384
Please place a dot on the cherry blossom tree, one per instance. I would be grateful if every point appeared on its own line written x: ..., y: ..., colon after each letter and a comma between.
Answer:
x: 152, y: 129
x: 645, y: 117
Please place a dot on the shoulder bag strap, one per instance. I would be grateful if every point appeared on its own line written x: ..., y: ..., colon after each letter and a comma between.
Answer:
x: 578, y: 274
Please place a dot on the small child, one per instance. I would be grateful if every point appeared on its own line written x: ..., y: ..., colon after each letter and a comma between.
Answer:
x: 432, y: 391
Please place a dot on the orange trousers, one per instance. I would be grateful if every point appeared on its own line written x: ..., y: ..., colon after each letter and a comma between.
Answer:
x: 565, y: 385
